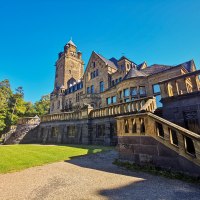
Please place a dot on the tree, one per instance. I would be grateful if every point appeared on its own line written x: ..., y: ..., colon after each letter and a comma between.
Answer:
x: 13, y: 106
x: 42, y: 107
x: 5, y: 95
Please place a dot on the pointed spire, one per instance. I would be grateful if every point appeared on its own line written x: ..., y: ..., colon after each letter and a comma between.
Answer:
x: 71, y: 42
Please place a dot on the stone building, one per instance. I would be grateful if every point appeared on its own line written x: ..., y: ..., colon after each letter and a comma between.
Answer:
x: 152, y: 113
x: 106, y: 81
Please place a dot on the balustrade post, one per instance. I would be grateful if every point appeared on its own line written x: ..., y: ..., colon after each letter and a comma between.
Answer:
x: 163, y: 90
x: 195, y: 83
x: 138, y: 126
x: 174, y: 88
x: 182, y: 85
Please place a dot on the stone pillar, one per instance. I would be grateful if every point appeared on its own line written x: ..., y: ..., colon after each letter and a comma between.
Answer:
x: 86, y: 132
x: 182, y: 86
x: 163, y: 90
x: 195, y: 84
x: 174, y: 88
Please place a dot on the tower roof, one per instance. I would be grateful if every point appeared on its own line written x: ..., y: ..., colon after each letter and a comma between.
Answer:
x: 71, y: 43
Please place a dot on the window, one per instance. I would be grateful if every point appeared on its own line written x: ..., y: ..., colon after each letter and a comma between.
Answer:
x: 134, y: 91
x: 113, y: 82
x: 54, y: 132
x: 126, y: 92
x: 108, y: 100
x: 75, y: 87
x: 92, y: 89
x: 94, y: 74
x: 88, y: 90
x: 101, y: 86
x: 71, y: 131
x: 94, y: 64
x: 101, y: 130
x: 120, y: 79
x: 114, y: 99
x: 91, y: 75
x: 142, y: 91
x: 126, y: 100
x: 156, y: 88
x: 116, y: 81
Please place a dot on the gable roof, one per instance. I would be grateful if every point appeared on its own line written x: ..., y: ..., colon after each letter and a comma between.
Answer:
x: 140, y: 66
x: 114, y: 60
x: 188, y: 65
x: 134, y: 73
x: 124, y: 57
x: 108, y: 62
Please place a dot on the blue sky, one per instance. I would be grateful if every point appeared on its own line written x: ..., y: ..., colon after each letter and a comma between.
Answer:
x: 32, y: 33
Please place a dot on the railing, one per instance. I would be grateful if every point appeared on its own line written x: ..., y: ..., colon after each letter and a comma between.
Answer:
x: 144, y: 104
x: 183, y: 84
x: 62, y: 116
x: 186, y: 143
x: 29, y: 120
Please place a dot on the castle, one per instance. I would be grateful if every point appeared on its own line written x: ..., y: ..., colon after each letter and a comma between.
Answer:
x: 107, y: 82
x: 152, y: 113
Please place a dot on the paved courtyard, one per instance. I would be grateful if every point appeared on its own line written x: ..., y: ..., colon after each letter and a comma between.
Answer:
x: 91, y: 177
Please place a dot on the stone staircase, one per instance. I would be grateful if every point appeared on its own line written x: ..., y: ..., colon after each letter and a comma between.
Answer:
x: 24, y: 127
x: 21, y: 131
x: 146, y: 138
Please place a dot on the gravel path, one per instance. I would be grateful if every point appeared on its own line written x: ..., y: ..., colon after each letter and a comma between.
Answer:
x: 91, y: 177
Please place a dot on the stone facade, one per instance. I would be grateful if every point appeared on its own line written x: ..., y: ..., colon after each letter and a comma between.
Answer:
x: 106, y: 81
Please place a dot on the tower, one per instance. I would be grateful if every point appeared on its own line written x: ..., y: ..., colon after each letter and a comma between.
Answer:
x: 68, y: 66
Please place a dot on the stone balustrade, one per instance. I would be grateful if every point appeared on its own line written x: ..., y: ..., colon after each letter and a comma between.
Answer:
x: 186, y: 143
x: 28, y: 120
x: 183, y: 84
x: 144, y: 104
x: 62, y: 116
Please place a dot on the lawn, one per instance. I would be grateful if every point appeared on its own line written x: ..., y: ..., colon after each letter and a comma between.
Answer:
x: 18, y: 157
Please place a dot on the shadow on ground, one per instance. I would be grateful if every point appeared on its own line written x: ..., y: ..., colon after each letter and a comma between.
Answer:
x: 143, y: 186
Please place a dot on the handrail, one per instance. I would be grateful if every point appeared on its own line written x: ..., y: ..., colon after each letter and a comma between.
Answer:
x: 185, y: 142
x: 112, y: 110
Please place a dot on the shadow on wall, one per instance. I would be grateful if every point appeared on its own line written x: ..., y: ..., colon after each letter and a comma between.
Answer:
x: 131, y: 185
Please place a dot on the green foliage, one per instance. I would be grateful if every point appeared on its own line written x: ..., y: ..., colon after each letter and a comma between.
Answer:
x: 42, y: 107
x: 34, y: 155
x: 13, y: 106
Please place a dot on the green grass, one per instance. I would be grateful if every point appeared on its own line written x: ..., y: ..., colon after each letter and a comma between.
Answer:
x: 18, y: 157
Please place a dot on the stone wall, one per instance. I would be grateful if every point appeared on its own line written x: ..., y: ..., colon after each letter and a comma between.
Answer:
x: 183, y: 110
x: 100, y: 131
x: 145, y: 150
